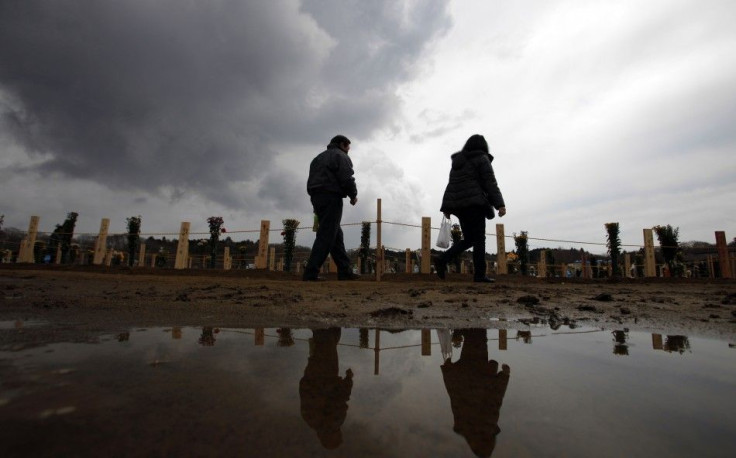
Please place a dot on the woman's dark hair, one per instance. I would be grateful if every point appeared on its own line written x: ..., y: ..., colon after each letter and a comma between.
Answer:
x: 476, y: 142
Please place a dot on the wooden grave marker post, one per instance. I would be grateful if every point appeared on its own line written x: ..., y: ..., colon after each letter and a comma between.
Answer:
x: 502, y: 268
x: 261, y: 260
x: 101, y: 242
x: 426, y: 245
x: 650, y: 266
x: 182, y: 248
x: 723, y: 260
x: 25, y: 253
x: 142, y: 255
x: 379, y: 253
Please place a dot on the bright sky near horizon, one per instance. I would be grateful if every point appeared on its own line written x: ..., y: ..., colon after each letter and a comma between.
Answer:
x: 595, y: 111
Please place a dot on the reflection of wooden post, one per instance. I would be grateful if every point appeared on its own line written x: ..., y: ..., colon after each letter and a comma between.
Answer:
x: 407, y: 261
x: 503, y: 339
x: 153, y: 260
x: 25, y: 253
x: 426, y: 342
x: 101, y: 242
x: 426, y: 244
x: 501, y: 253
x: 650, y: 267
x: 657, y: 342
x: 723, y: 254
x: 463, y: 267
x: 262, y: 258
x: 57, y: 259
x: 108, y: 257
x: 142, y: 255
x: 377, y: 351
x: 227, y: 261
x: 542, y: 264
x: 379, y: 254
x: 182, y: 249
x: 627, y: 265
x: 260, y: 336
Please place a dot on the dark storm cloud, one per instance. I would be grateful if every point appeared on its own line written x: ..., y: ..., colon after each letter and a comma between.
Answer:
x: 186, y: 95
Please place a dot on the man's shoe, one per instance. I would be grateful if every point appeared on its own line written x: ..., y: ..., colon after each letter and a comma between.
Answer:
x: 348, y: 277
x: 484, y: 280
x: 440, y: 267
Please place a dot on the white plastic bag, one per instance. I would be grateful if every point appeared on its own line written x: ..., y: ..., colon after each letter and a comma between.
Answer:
x: 445, y: 338
x: 443, y: 239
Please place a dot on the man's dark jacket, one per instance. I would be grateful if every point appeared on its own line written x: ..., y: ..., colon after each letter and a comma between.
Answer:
x: 331, y: 172
x: 472, y: 183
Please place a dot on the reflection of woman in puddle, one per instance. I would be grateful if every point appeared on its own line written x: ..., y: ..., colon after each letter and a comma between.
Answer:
x: 324, y: 394
x: 476, y: 390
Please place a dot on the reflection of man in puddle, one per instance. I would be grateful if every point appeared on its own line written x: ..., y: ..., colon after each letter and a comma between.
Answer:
x: 476, y: 390
x: 324, y: 394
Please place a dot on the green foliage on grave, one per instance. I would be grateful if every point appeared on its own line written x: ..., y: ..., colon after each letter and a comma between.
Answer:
x: 669, y: 243
x: 522, y: 250
x: 62, y: 237
x: 614, y: 246
x: 215, y: 223
x: 289, y: 234
x: 134, y: 234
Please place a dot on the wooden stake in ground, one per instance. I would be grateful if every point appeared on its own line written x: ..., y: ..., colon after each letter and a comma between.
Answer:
x: 182, y: 249
x: 25, y: 254
x: 227, y: 261
x: 502, y: 268
x: 426, y: 244
x: 142, y: 255
x: 379, y: 254
x: 650, y: 265
x: 101, y: 242
x: 542, y: 269
x: 723, y: 254
x: 261, y: 261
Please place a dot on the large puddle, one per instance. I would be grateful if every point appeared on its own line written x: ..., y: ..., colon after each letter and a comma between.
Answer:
x: 367, y: 392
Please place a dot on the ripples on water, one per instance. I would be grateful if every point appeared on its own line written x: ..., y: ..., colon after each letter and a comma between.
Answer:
x: 366, y: 392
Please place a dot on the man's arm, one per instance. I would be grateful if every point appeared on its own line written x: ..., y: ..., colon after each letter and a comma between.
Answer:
x: 345, y: 177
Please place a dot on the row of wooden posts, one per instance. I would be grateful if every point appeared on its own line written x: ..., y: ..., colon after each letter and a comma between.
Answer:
x: 266, y: 259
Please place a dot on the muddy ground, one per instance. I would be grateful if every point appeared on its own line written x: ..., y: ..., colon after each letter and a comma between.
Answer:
x: 74, y: 303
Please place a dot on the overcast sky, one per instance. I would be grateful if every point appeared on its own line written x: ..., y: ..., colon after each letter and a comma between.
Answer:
x: 179, y: 110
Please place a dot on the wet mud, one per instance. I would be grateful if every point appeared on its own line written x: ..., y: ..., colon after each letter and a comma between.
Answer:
x: 74, y: 301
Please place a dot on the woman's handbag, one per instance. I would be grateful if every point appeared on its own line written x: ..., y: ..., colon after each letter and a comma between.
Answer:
x: 443, y: 239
